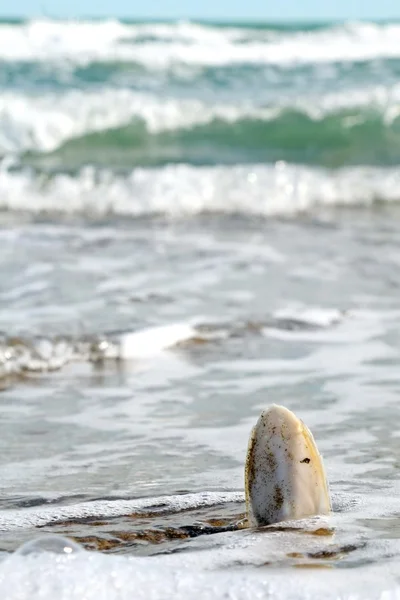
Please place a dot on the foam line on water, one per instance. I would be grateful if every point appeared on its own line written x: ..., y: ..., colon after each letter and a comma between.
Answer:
x: 33, y: 517
x: 81, y: 42
x: 313, y: 316
x: 180, y: 190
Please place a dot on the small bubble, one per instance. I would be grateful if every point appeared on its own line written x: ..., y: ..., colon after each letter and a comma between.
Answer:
x: 56, y: 544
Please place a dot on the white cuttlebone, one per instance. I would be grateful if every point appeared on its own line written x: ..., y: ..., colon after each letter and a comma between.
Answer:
x: 148, y: 342
x: 284, y: 473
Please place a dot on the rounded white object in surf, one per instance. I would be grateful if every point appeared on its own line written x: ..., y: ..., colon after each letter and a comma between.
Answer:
x: 284, y: 473
x: 153, y: 340
x: 55, y: 544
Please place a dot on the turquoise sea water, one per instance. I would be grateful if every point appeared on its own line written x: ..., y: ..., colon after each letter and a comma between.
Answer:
x: 98, y: 100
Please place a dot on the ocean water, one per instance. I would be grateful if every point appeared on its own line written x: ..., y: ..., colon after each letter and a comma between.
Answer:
x: 196, y: 221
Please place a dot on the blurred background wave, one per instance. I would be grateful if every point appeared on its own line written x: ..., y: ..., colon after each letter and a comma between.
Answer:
x: 102, y: 115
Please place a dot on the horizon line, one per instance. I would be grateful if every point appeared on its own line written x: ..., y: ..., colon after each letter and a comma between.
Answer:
x: 214, y: 20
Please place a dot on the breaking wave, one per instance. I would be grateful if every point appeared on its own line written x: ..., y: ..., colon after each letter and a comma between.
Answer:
x: 181, y: 191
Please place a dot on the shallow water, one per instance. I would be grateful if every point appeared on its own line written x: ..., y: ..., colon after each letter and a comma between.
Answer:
x: 165, y: 280
x: 303, y: 313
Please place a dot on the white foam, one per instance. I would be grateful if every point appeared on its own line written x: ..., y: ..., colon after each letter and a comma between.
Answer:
x: 182, y: 576
x: 47, y: 355
x: 189, y: 44
x: 333, y: 326
x: 178, y: 191
x: 314, y: 316
x: 33, y: 517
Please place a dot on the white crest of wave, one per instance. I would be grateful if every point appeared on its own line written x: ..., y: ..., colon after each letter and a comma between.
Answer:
x: 165, y: 45
x: 43, y: 122
x: 181, y: 190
